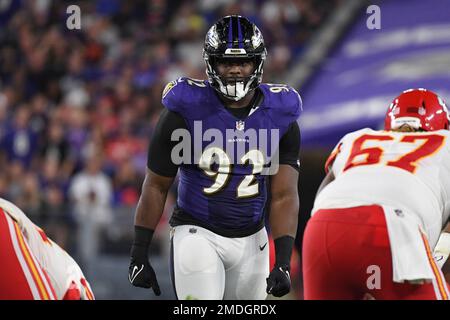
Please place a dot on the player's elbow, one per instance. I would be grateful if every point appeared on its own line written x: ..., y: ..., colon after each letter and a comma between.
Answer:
x: 287, y: 198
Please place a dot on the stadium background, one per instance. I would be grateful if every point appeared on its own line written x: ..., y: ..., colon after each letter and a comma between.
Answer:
x: 78, y: 107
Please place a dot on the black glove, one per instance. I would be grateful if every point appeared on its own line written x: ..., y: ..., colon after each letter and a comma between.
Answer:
x: 140, y: 272
x: 279, y: 281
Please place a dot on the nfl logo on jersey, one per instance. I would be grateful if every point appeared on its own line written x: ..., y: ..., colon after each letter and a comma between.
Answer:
x: 240, y: 125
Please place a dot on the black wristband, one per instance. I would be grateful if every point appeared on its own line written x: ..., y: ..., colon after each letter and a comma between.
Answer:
x: 142, y: 236
x: 283, y: 250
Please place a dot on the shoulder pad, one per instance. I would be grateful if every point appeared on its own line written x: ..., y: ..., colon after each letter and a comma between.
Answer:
x: 284, y: 101
x: 186, y: 96
x: 14, y: 212
x: 350, y: 136
x: 347, y: 138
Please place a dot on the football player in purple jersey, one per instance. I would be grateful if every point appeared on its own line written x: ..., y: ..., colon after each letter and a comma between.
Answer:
x: 248, y: 153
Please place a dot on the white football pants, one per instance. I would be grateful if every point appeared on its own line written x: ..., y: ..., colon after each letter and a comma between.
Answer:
x: 207, y: 266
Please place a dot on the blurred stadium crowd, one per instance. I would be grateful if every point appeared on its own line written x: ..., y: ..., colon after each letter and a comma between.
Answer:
x: 78, y: 107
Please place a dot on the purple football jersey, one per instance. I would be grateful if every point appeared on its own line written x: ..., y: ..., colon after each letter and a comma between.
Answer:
x: 223, y: 177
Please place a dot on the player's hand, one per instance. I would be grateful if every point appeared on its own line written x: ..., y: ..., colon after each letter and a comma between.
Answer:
x: 279, y: 281
x: 140, y: 272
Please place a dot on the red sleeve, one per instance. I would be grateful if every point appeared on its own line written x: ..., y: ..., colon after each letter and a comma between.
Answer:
x: 73, y: 293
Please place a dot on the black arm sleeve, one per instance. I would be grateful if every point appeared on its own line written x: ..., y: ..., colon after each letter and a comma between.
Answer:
x: 290, y: 146
x: 159, y: 158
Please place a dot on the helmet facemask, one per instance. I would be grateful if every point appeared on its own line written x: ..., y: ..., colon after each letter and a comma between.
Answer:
x: 234, y: 88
